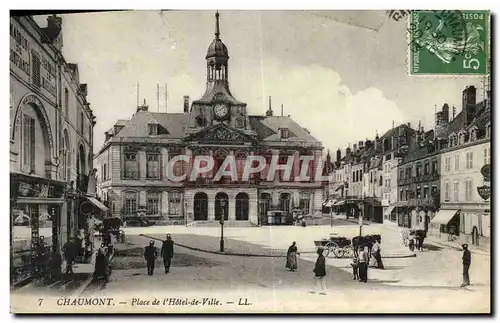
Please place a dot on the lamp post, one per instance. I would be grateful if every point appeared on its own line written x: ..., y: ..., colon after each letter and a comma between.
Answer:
x: 221, y: 245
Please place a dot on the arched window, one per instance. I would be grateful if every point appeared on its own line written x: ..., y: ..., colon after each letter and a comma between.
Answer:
x: 265, y: 202
x: 285, y: 202
x: 200, y: 206
x: 242, y: 206
x: 305, y: 202
x: 174, y: 203
x: 153, y: 203
x: 129, y: 203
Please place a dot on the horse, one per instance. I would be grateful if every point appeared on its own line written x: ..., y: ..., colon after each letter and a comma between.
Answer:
x: 365, y: 241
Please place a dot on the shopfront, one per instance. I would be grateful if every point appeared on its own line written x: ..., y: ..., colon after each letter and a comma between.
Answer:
x: 35, y: 223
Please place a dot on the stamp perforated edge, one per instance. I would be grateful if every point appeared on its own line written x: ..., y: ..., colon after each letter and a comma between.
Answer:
x: 408, y: 54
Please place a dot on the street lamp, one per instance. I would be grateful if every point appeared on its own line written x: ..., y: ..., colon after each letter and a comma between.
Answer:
x: 221, y: 245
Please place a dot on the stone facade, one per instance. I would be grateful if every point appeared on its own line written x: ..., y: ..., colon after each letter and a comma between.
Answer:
x: 134, y: 160
x: 51, y: 127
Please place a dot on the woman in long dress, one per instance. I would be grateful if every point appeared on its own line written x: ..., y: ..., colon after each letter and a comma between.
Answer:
x: 291, y: 257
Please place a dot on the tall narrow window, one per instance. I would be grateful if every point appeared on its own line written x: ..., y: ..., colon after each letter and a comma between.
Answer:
x: 153, y: 166
x: 447, y: 164
x: 455, y: 191
x: 174, y: 203
x: 469, y: 162
x: 468, y: 190
x: 28, y: 143
x: 305, y: 201
x: 487, y: 156
x: 104, y: 173
x: 35, y: 75
x: 81, y: 123
x: 446, y: 191
x: 66, y: 102
x: 457, y: 162
x: 130, y: 203
x: 153, y: 203
x: 131, y: 167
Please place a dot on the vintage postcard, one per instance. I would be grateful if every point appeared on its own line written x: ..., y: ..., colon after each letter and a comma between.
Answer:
x: 250, y: 162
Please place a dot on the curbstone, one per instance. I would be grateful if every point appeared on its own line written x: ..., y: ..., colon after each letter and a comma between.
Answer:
x: 257, y: 254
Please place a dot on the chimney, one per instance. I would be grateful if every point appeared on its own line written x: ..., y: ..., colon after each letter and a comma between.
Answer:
x: 409, y: 125
x: 469, y: 103
x: 446, y: 113
x: 360, y: 144
x: 269, y: 112
x: 282, y: 110
x: 368, y: 144
x: 339, y: 155
x: 354, y: 147
x: 348, y: 151
x: 186, y: 103
x: 143, y: 107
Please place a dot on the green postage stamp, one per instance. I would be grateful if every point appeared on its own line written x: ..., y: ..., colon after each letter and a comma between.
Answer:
x: 449, y: 42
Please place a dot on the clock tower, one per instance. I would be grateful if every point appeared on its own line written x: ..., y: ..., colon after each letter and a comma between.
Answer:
x: 217, y: 105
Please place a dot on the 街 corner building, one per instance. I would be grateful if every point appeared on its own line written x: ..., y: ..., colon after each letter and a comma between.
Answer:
x: 132, y: 163
x: 51, y: 147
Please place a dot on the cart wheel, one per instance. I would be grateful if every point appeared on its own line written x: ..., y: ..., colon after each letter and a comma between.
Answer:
x: 339, y: 252
x: 328, y: 249
x: 348, y: 252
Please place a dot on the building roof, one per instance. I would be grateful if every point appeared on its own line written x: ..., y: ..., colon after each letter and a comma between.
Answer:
x: 174, y: 123
x: 394, y: 132
x: 266, y: 128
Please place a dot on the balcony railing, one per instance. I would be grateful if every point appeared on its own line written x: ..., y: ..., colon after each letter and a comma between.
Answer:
x: 419, y: 179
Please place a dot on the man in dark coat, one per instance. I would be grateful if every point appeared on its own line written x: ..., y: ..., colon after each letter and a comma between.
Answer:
x: 70, y: 252
x: 150, y: 254
x: 320, y: 272
x: 167, y: 252
x: 466, y: 260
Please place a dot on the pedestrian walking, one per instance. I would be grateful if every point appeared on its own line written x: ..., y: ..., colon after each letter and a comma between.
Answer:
x: 363, y: 264
x: 376, y: 253
x: 150, y: 254
x: 54, y: 264
x: 320, y: 273
x: 167, y: 252
x: 70, y: 252
x: 466, y: 261
x: 291, y: 257
x: 101, y: 266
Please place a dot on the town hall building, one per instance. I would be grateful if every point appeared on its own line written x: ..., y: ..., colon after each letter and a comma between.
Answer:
x: 132, y: 163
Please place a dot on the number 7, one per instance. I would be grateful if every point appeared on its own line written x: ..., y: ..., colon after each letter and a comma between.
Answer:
x: 40, y: 301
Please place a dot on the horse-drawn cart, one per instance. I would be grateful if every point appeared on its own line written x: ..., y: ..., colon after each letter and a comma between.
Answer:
x: 339, y: 247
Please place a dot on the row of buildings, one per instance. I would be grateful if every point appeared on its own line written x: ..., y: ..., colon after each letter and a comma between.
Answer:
x: 435, y: 179
x: 132, y: 163
x: 51, y: 143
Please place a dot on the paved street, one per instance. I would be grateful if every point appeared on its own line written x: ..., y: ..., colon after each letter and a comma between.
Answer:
x: 423, y: 283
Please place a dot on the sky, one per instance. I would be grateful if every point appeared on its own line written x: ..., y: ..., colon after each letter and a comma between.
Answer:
x: 342, y: 82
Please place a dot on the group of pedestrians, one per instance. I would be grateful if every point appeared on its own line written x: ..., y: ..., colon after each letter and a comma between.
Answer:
x: 319, y: 267
x: 166, y: 252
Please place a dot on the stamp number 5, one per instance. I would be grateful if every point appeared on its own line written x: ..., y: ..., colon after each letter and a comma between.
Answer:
x: 470, y: 62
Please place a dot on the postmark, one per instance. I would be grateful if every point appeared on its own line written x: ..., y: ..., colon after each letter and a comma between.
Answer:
x: 448, y: 42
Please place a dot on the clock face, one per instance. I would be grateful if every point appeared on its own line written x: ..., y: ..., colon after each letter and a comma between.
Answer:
x: 220, y: 110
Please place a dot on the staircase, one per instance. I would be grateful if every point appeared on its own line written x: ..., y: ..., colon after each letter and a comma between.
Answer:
x: 227, y: 223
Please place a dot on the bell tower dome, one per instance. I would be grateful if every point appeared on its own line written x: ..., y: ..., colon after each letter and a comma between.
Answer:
x: 217, y: 57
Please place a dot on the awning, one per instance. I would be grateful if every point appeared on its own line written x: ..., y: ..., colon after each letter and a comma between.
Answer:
x: 339, y: 203
x: 97, y: 203
x: 329, y: 203
x: 444, y: 216
x: 389, y: 209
